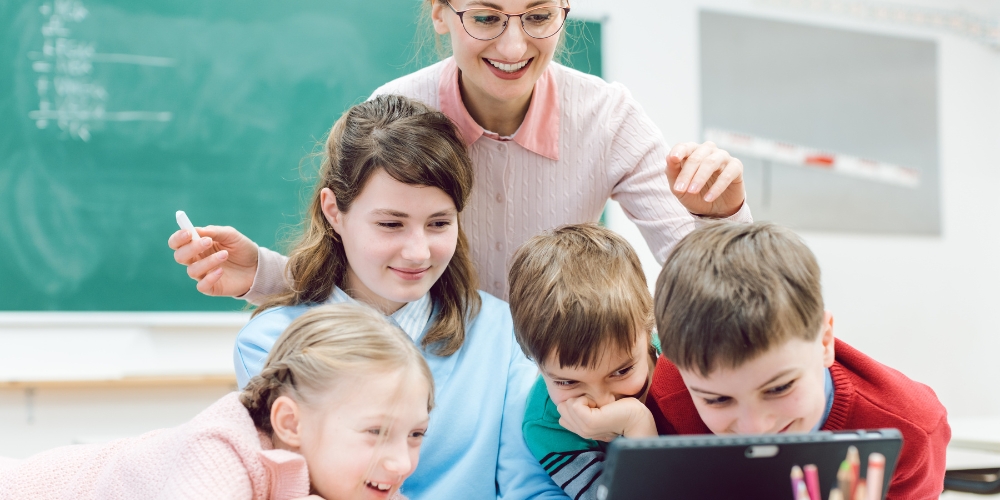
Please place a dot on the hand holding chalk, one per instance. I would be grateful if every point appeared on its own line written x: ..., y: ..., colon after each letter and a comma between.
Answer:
x: 219, y: 258
x: 185, y: 224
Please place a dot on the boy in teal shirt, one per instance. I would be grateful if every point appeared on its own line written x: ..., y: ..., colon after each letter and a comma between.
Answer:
x: 583, y: 313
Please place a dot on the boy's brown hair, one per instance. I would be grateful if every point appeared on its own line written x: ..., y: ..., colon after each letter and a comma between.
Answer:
x: 729, y: 292
x: 578, y: 291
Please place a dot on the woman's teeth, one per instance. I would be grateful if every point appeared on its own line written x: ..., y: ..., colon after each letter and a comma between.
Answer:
x: 508, y: 68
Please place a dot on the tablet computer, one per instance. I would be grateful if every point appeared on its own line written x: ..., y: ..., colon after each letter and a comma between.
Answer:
x: 710, y: 466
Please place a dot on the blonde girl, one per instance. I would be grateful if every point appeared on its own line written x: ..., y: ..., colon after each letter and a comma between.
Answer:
x: 383, y: 229
x: 339, y: 411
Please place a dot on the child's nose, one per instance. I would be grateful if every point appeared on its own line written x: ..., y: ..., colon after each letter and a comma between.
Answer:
x: 750, y: 423
x: 417, y: 248
x: 397, y: 461
x: 603, y: 398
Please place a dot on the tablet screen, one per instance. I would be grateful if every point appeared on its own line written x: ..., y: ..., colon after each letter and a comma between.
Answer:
x: 709, y: 466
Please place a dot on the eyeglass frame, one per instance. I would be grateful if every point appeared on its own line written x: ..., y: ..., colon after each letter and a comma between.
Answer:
x: 506, y: 23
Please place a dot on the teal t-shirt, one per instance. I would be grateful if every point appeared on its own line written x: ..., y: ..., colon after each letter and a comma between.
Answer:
x: 574, y: 463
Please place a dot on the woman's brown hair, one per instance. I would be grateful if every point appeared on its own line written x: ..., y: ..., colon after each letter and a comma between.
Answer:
x: 416, y: 146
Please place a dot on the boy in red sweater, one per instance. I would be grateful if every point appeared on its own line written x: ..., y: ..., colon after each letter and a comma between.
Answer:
x: 749, y: 349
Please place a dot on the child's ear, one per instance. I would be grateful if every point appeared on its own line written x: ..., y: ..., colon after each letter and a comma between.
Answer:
x: 328, y: 202
x: 438, y: 11
x: 827, y: 339
x: 286, y: 420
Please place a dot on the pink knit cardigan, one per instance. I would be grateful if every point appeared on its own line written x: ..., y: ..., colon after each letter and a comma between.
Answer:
x: 218, y: 454
x: 607, y: 147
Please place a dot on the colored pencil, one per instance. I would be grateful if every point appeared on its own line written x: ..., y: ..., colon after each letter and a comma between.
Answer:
x: 876, y: 474
x: 803, y: 493
x: 812, y: 482
x: 861, y: 491
x: 854, y: 459
x: 796, y: 481
x: 844, y: 477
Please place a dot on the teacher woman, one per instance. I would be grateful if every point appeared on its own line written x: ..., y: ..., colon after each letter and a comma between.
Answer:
x: 549, y: 146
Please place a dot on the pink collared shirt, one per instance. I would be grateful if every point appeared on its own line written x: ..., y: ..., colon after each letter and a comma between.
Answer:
x: 582, y: 141
x: 539, y: 133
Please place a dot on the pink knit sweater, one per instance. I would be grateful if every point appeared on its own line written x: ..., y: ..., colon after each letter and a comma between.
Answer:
x: 218, y: 454
x: 583, y: 141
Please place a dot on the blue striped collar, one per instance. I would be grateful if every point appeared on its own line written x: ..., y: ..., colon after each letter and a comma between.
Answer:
x: 412, y: 318
x: 828, y: 390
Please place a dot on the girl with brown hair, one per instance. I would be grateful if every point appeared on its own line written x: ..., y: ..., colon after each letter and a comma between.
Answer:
x: 383, y: 229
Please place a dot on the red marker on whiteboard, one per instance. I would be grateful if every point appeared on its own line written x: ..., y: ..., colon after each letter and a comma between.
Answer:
x: 820, y: 160
x: 794, y: 154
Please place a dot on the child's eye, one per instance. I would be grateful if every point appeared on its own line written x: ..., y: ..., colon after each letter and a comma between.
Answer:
x: 418, y: 434
x: 564, y: 383
x: 440, y: 224
x: 374, y: 431
x: 390, y: 225
x: 623, y: 372
x: 719, y: 401
x: 781, y: 389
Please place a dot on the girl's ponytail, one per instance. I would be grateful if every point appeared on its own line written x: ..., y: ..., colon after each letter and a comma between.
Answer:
x: 262, y: 390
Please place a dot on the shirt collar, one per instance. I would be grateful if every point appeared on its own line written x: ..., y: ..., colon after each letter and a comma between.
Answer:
x: 539, y: 133
x: 412, y: 318
x: 828, y: 390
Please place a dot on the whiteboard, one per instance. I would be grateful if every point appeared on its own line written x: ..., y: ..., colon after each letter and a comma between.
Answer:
x: 843, y: 95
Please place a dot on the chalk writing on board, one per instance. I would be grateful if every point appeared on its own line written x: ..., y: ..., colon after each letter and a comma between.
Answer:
x: 67, y: 95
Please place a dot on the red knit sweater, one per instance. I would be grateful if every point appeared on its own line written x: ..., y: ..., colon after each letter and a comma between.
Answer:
x: 867, y: 395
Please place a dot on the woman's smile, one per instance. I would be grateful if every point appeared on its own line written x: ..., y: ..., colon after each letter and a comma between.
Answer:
x: 508, y: 71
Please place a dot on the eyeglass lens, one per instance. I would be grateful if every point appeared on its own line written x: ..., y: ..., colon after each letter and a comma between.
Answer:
x: 487, y: 24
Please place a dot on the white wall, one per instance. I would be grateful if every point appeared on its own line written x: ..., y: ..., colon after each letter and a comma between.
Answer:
x: 925, y: 306
x: 69, y: 378
x: 50, y: 417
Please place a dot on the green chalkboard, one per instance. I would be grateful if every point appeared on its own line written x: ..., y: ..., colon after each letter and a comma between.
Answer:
x: 116, y: 113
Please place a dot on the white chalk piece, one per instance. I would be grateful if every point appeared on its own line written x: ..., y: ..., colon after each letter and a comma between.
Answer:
x: 185, y: 223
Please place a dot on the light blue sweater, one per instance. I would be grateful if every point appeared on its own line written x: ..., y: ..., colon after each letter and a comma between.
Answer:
x: 474, y: 448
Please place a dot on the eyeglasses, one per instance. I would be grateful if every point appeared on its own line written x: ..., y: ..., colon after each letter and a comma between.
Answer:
x: 487, y: 24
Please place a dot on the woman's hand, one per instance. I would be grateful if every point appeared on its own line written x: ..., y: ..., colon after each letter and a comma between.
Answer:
x: 705, y: 179
x: 626, y: 417
x: 223, y: 261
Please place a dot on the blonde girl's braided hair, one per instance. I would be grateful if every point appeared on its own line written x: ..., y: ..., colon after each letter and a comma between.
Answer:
x: 324, y: 345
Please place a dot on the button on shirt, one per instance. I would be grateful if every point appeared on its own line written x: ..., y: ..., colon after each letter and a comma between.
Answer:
x: 582, y: 141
